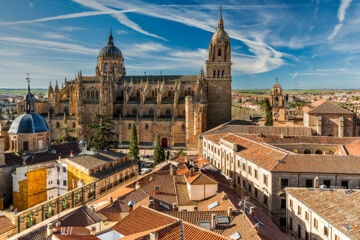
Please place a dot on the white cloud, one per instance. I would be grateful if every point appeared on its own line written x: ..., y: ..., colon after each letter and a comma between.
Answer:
x: 31, y: 4
x: 341, y: 17
x: 53, y: 35
x: 50, y: 45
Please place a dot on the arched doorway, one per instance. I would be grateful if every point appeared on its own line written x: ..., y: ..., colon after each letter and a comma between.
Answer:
x: 164, y: 143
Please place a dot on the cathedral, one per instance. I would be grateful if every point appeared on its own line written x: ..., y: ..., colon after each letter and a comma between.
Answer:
x: 176, y: 107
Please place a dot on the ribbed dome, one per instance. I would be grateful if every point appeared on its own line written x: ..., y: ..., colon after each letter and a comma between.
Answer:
x: 110, y: 51
x: 220, y: 36
x: 29, y: 123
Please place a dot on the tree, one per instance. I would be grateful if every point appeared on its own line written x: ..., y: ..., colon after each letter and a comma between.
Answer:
x: 167, y: 154
x: 268, y: 113
x: 102, y: 136
x: 159, y: 153
x: 66, y: 137
x: 133, y: 146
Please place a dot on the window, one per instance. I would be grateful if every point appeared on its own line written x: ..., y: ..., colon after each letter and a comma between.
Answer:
x: 282, y: 221
x: 244, y: 183
x: 214, y: 76
x: 146, y: 126
x: 26, y: 145
x: 299, y: 210
x: 58, y: 182
x: 307, y: 151
x: 284, y: 182
x: 250, y: 189
x: 265, y: 200
x: 256, y: 173
x: 114, y: 67
x: 243, y: 166
x: 219, y: 52
x: 64, y: 182
x: 309, y: 183
x: 291, y: 204
x: 218, y: 75
x: 256, y: 192
x: 326, y: 231
x: 129, y: 126
x: 307, y: 216
x: 222, y: 73
x: 73, y: 125
x: 306, y: 236
x: 290, y: 224
x: 58, y: 168
x: 345, y: 184
x: 299, y: 232
x: 105, y: 67
x: 316, y: 224
x: 57, y: 125
x: 249, y: 170
x: 64, y: 169
x: 283, y: 203
x: 318, y: 152
x: 327, y: 183
x: 265, y: 179
x: 183, y: 127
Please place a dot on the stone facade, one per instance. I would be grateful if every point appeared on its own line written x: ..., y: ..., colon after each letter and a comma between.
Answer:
x: 176, y: 107
x: 277, y: 103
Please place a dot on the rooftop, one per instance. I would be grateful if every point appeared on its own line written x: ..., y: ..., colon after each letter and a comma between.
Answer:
x: 325, y: 106
x: 337, y: 206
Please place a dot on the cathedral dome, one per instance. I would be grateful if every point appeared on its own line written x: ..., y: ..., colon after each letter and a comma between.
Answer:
x: 220, y: 36
x: 29, y: 123
x: 110, y: 50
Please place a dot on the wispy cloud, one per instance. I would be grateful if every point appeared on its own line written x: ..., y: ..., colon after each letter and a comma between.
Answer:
x: 53, y: 35
x: 50, y: 45
x: 341, y: 17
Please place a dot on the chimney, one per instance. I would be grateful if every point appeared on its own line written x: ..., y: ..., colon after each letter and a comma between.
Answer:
x: 137, y: 185
x: 151, y: 202
x: 202, y: 164
x: 251, y: 211
x: 191, y: 172
x: 111, y: 199
x: 224, y: 197
x: 213, y: 221
x: 154, y: 236
x: 171, y: 170
x: 151, y: 178
x: 131, y: 206
x: 196, y: 209
x: 175, y: 208
x: 156, y: 189
x: 230, y: 211
x: 235, y: 147
x: 316, y: 182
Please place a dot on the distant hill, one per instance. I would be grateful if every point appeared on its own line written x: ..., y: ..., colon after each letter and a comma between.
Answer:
x: 22, y: 91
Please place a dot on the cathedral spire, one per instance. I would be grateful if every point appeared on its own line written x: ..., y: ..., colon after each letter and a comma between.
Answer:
x: 29, y: 98
x: 28, y: 81
x: 221, y: 21
x: 111, y: 39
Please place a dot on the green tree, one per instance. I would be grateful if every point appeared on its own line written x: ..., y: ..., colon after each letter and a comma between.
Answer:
x: 133, y: 146
x: 159, y: 153
x: 102, y: 136
x: 268, y: 113
x: 66, y: 137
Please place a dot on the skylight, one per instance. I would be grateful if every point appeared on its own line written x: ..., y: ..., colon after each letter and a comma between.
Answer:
x: 223, y: 220
x: 212, y: 205
x: 204, y: 224
x: 236, y: 236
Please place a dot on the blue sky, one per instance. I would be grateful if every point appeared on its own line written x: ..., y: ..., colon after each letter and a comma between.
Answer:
x: 306, y: 44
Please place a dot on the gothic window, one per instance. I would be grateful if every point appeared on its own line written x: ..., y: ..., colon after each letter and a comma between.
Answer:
x: 106, y: 67
x: 276, y: 101
x: 151, y: 112
x: 169, y: 94
x: 168, y: 112
x: 189, y: 91
x: 73, y: 125
x: 218, y: 75
x: 214, y: 73
x: 66, y: 110
x: 153, y: 93
x: 222, y: 73
x: 57, y: 125
x: 134, y: 111
x: 114, y: 67
x: 88, y: 94
x: 185, y: 92
x: 26, y: 146
x: 97, y: 94
x: 92, y: 93
x: 219, y: 52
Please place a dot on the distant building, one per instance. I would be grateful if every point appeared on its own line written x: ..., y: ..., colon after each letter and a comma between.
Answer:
x: 277, y: 103
x: 321, y: 214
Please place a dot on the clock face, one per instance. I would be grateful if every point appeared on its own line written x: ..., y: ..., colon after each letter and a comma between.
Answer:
x: 276, y: 115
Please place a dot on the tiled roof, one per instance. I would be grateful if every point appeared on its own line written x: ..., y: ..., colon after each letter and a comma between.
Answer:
x: 200, y: 179
x: 337, y: 206
x: 81, y: 217
x: 72, y: 230
x: 262, y: 155
x: 353, y: 148
x: 319, y: 164
x: 182, y: 192
x: 96, y: 160
x: 75, y: 237
x: 37, y: 234
x: 325, y: 106
x: 5, y: 224
x: 222, y: 206
x: 142, y: 219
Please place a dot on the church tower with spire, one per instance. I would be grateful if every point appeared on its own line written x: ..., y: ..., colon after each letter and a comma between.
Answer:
x: 218, y: 75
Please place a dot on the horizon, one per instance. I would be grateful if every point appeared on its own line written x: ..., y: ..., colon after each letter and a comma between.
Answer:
x: 307, y: 45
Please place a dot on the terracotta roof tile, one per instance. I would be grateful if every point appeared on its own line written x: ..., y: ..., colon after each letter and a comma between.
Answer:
x: 325, y: 106
x: 200, y: 179
x: 81, y: 217
x: 75, y: 237
x: 5, y: 225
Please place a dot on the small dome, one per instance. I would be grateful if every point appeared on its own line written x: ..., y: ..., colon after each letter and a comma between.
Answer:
x: 29, y: 123
x: 110, y: 51
x: 220, y: 36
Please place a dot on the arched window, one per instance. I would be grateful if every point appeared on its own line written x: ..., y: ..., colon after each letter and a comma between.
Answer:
x: 169, y: 93
x: 189, y: 91
x: 151, y: 112
x: 276, y: 101
x: 129, y: 126
x: 114, y: 67
x: 92, y: 93
x: 168, y: 112
x: 73, y: 125
x: 318, y: 152
x: 192, y: 92
x: 183, y: 126
x: 138, y: 93
x: 186, y: 93
x: 214, y: 73
x: 97, y: 94
x: 218, y: 73
x: 51, y: 110
x: 88, y: 94
x: 222, y: 73
x: 146, y: 126
x: 307, y: 151
x: 219, y: 52
x: 153, y: 93
x: 57, y: 125
x: 106, y: 67
x: 134, y: 111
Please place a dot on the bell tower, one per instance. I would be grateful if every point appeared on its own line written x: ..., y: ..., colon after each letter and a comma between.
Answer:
x: 277, y: 102
x: 218, y: 76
